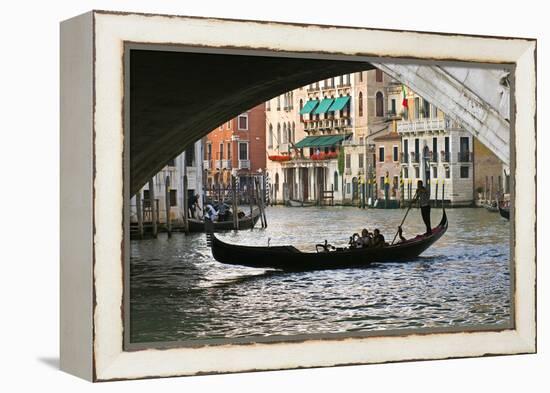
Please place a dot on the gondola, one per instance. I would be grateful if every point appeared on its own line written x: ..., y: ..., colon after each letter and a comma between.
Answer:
x: 289, y: 258
x: 247, y: 222
x: 504, y: 212
x: 295, y: 203
x: 493, y: 208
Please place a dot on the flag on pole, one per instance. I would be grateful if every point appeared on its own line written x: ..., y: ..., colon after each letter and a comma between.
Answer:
x: 405, y: 103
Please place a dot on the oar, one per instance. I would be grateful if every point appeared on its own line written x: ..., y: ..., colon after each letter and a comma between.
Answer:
x: 402, y: 221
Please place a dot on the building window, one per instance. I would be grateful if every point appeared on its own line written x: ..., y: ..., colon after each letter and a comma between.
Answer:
x: 348, y: 160
x: 406, y: 172
x: 171, y: 162
x: 360, y: 104
x: 447, y: 173
x: 285, y: 135
x: 395, y: 153
x: 381, y: 154
x: 348, y: 188
x: 434, y: 111
x: 221, y: 151
x: 416, y: 108
x: 190, y: 156
x: 434, y: 172
x: 416, y: 172
x: 270, y: 137
x: 301, y: 106
x: 228, y: 125
x: 379, y: 76
x: 393, y: 107
x: 335, y: 181
x: 268, y: 105
x: 426, y: 108
x: 361, y: 76
x: 464, y: 172
x: 293, y: 136
x: 209, y: 151
x: 379, y: 104
x: 278, y: 103
x: 243, y: 121
x: 243, y: 151
x: 361, y: 160
x: 278, y: 135
x: 173, y: 198
x: 229, y: 151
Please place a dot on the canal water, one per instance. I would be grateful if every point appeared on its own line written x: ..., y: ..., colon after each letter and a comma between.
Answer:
x: 179, y: 292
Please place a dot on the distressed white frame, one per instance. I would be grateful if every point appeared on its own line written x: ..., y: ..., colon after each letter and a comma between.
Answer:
x: 91, y: 320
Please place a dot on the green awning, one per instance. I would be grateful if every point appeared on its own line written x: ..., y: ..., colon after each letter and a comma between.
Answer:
x: 323, y: 106
x: 339, y: 104
x: 308, y: 107
x: 320, y: 141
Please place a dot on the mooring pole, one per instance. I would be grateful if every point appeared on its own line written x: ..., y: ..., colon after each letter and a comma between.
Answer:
x: 152, y: 202
x: 139, y: 214
x: 234, y: 197
x: 436, y: 191
x: 167, y: 206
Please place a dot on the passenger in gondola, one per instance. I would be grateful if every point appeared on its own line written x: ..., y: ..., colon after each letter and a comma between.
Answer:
x: 378, y: 239
x: 365, y: 240
x: 423, y: 197
x: 210, y: 213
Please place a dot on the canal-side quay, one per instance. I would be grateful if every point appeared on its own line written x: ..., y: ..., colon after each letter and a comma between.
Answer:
x: 179, y: 292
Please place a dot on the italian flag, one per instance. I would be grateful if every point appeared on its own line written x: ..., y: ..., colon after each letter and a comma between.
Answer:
x: 405, y: 103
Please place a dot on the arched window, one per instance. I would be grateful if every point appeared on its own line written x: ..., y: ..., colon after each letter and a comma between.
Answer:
x: 289, y: 129
x: 360, y: 104
x: 301, y: 106
x: 270, y: 140
x: 335, y: 180
x: 285, y: 136
x: 277, y: 182
x: 278, y: 135
x: 379, y: 104
x: 293, y: 132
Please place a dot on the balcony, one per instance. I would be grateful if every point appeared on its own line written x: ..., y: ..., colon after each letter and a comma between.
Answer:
x: 206, y: 164
x: 244, y: 164
x: 422, y: 125
x: 445, y: 156
x: 404, y: 158
x: 218, y: 164
x: 226, y: 164
x: 433, y: 157
x: 415, y: 157
x: 465, y: 156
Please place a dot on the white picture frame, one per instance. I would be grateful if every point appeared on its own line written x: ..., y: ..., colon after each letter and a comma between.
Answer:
x: 92, y: 194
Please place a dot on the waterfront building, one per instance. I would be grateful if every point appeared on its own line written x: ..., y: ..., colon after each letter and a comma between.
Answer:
x: 491, y: 176
x: 436, y: 150
x: 387, y: 150
x: 313, y: 128
x: 236, y: 148
x: 190, y: 163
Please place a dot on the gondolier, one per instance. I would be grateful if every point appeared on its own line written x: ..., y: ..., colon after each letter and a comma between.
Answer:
x: 423, y: 197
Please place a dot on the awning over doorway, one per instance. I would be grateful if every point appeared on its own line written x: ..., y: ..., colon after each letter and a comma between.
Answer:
x: 308, y: 107
x: 320, y: 140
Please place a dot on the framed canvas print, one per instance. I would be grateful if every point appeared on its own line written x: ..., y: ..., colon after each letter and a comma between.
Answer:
x: 247, y: 195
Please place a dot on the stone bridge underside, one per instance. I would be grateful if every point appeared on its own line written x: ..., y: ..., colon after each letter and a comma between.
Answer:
x: 176, y: 98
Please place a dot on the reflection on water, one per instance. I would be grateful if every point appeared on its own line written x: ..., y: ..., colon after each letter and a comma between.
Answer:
x: 179, y: 292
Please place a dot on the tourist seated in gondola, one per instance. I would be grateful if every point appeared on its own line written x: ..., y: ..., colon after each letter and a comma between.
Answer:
x: 365, y: 240
x: 210, y: 213
x: 378, y: 239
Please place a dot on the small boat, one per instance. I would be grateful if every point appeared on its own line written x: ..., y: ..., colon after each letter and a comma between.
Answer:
x: 493, y: 208
x: 289, y: 258
x: 246, y: 222
x: 296, y: 203
x: 504, y: 212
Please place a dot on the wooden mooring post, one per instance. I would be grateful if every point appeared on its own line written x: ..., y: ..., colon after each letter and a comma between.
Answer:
x: 234, y: 200
x: 168, y: 221
x: 139, y: 210
x: 185, y: 196
x: 436, y: 191
x: 152, y: 202
x: 260, y: 203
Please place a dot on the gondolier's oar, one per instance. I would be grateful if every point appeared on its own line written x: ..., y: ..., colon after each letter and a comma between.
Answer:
x: 402, y: 221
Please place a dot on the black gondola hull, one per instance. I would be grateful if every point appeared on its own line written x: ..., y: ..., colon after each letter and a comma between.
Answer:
x: 504, y: 212
x: 289, y: 258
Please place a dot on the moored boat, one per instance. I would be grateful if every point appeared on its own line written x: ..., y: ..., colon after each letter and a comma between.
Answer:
x: 289, y: 258
x: 246, y: 222
x: 295, y: 203
x: 504, y: 212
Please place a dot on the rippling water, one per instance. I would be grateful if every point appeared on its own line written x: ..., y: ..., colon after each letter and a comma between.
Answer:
x: 179, y: 292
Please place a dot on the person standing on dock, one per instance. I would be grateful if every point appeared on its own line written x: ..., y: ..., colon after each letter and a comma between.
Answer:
x: 423, y: 198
